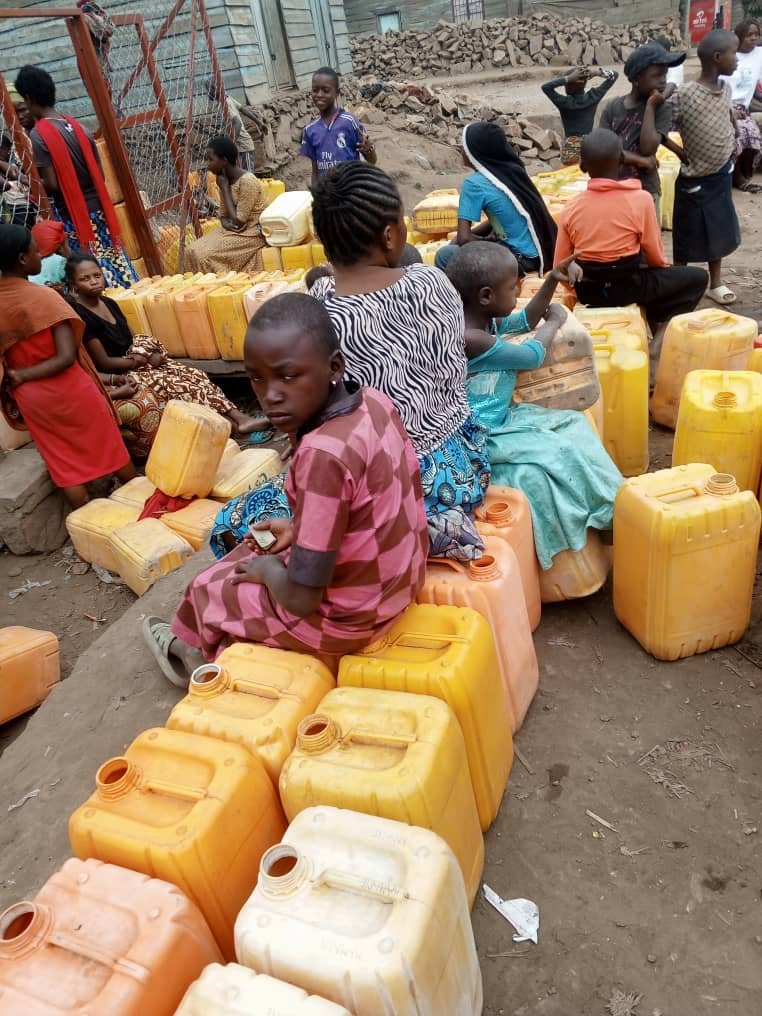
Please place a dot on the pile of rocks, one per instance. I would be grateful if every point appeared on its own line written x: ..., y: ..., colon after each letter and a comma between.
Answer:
x: 538, y: 39
x: 442, y: 116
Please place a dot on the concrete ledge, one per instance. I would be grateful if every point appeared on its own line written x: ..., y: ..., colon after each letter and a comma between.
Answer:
x: 32, y: 509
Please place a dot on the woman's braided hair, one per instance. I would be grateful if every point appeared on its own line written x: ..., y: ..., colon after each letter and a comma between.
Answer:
x: 352, y: 204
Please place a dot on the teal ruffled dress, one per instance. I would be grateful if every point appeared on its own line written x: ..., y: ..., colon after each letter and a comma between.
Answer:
x: 552, y: 455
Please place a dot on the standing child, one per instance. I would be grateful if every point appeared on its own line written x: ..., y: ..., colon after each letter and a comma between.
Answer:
x: 612, y: 230
x: 353, y: 555
x: 577, y: 106
x: 705, y: 225
x: 743, y: 82
x: 641, y: 119
x: 51, y: 381
x: 335, y: 136
x: 552, y: 455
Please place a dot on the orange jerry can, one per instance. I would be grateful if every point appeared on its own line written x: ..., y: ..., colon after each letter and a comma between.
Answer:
x: 128, y: 239
x: 448, y: 653
x: 195, y: 324
x: 493, y: 586
x: 391, y: 754
x: 576, y: 573
x: 255, y: 696
x: 192, y: 810
x: 505, y: 513
x: 30, y: 668
x: 100, y: 939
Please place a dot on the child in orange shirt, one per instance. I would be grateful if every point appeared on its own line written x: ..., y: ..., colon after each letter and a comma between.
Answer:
x: 611, y: 229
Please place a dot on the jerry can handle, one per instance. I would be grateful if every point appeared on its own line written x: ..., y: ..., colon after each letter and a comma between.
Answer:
x: 267, y: 691
x: 335, y: 879
x: 173, y: 790
x: 680, y: 493
x: 455, y: 565
x: 419, y: 640
x: 90, y: 951
x: 359, y: 736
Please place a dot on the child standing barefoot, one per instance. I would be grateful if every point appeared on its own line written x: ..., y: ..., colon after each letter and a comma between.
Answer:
x: 705, y: 225
x: 51, y: 381
x: 353, y: 556
x: 552, y: 455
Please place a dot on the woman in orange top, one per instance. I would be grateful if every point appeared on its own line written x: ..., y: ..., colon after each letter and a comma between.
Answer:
x: 50, y: 378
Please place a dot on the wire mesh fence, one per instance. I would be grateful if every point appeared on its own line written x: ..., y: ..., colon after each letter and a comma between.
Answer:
x: 167, y: 99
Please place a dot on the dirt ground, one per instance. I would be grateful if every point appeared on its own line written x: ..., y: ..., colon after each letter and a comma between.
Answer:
x: 654, y: 908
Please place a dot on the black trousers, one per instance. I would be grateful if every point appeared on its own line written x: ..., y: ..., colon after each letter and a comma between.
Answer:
x: 663, y: 292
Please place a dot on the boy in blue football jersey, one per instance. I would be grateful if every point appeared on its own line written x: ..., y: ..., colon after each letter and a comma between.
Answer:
x: 335, y: 135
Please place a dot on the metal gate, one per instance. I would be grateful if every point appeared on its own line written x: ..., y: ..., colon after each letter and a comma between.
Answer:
x: 158, y: 100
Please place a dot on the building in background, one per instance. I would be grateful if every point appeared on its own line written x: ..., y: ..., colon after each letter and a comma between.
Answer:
x: 403, y: 15
x: 263, y: 46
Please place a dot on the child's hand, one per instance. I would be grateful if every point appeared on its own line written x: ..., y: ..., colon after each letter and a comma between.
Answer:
x: 556, y: 315
x: 579, y: 74
x: 567, y: 271
x: 657, y: 98
x: 138, y: 359
x: 282, y: 530
x: 251, y: 571
x: 15, y: 377
x: 157, y: 359
x: 366, y: 146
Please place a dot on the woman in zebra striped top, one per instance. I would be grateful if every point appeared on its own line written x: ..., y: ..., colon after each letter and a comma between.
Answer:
x: 402, y: 332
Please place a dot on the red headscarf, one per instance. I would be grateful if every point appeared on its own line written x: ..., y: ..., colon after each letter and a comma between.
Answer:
x: 48, y: 234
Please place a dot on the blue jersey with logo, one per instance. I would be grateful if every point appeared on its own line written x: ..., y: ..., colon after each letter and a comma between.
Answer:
x: 330, y: 142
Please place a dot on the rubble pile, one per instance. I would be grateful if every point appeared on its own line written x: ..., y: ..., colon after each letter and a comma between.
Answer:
x: 536, y: 40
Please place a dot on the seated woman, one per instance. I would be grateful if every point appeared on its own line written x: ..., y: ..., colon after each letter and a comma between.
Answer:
x: 353, y: 555
x: 137, y: 410
x: 743, y: 82
x: 115, y: 351
x: 51, y: 380
x: 401, y: 332
x: 500, y: 187
x: 552, y: 455
x: 237, y: 245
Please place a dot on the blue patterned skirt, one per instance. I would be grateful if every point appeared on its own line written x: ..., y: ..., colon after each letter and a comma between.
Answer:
x: 117, y: 267
x: 454, y: 477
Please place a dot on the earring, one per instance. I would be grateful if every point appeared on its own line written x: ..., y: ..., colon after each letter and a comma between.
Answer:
x: 334, y: 383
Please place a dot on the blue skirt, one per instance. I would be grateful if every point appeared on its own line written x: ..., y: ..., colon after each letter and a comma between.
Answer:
x: 454, y: 477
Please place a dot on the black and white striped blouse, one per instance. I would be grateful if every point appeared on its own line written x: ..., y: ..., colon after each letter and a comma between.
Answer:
x: 408, y: 342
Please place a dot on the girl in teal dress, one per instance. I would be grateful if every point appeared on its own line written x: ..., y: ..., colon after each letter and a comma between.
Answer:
x: 552, y: 455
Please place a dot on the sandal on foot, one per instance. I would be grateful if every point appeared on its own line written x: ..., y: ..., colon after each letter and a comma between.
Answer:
x: 158, y: 636
x: 259, y: 437
x: 722, y: 295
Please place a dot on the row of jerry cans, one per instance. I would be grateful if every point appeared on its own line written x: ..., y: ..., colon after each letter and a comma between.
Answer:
x: 203, y: 317
x: 349, y: 914
x: 197, y: 804
x: 192, y: 457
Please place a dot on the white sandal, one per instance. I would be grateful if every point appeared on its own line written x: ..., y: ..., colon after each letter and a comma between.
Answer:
x: 722, y: 295
x: 159, y: 638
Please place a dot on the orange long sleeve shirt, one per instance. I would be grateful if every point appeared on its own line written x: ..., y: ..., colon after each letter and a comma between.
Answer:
x: 612, y: 219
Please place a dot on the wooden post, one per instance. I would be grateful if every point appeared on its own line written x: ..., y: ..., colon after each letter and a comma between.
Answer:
x: 88, y: 64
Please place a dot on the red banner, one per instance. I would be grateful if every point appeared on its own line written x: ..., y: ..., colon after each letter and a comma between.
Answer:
x: 701, y: 19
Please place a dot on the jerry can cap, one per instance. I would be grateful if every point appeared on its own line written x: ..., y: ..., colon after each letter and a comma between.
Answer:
x: 208, y: 679
x: 499, y: 513
x: 23, y: 926
x: 317, y: 733
x: 116, y: 778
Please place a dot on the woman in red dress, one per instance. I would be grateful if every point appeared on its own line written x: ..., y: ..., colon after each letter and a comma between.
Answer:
x: 49, y: 376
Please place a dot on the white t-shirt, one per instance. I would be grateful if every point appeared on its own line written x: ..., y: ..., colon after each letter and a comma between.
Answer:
x: 676, y: 75
x: 744, y: 80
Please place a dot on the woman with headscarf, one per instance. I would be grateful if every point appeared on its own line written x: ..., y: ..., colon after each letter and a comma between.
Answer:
x: 67, y: 160
x: 501, y: 189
